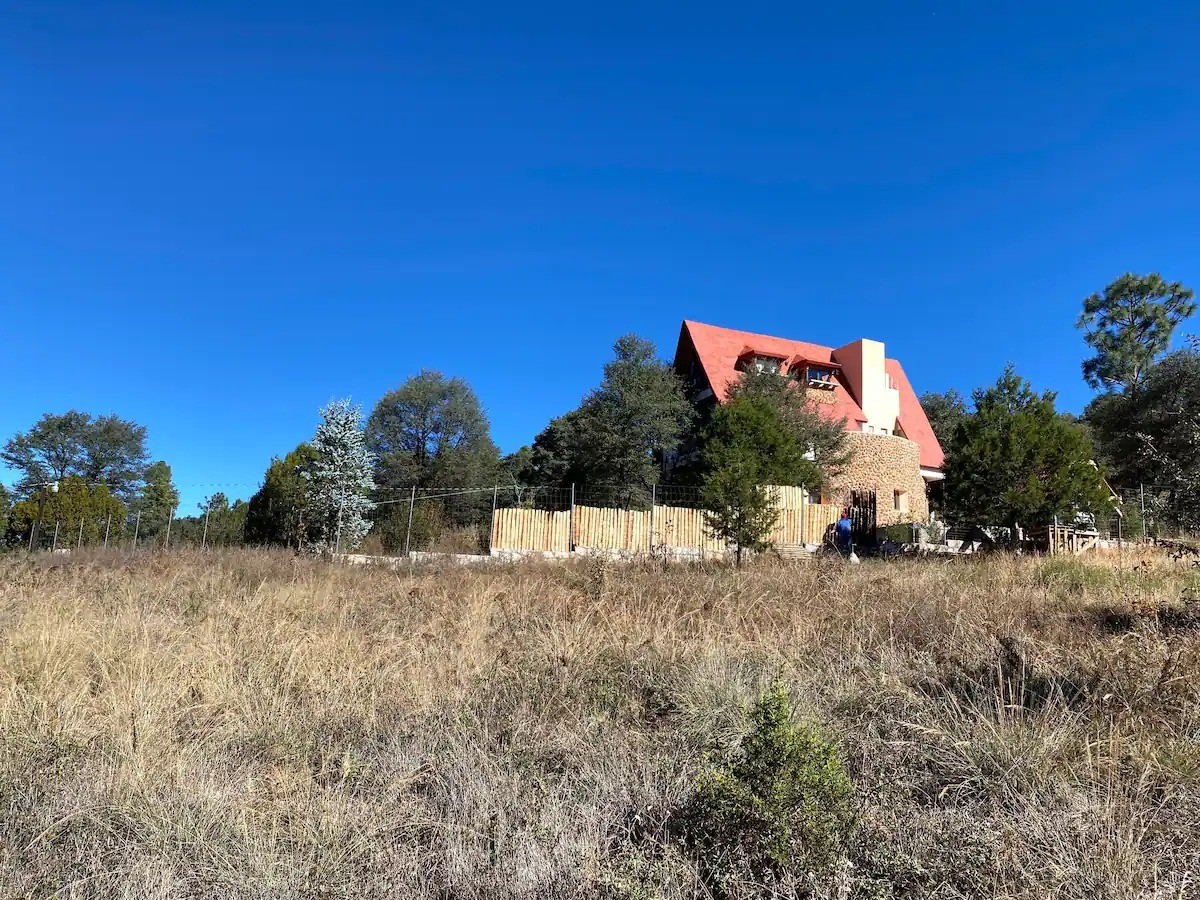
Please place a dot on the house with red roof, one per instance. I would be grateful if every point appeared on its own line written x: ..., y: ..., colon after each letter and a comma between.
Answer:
x: 895, y: 452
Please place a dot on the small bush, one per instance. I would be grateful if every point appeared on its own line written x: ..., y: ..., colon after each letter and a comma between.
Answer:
x: 782, y: 808
x: 901, y: 533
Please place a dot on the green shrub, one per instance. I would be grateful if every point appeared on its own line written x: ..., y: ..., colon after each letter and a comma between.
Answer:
x: 901, y: 533
x: 781, y: 808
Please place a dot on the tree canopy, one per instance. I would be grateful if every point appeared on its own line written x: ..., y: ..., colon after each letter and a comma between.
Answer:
x: 944, y: 411
x: 105, y: 450
x: 1129, y: 325
x: 81, y: 511
x: 1016, y: 460
x: 157, y: 500
x: 826, y: 449
x: 431, y: 433
x: 1151, y: 441
x: 431, y: 430
x: 746, y: 448
x: 275, y: 514
x: 613, y: 442
x: 341, y: 479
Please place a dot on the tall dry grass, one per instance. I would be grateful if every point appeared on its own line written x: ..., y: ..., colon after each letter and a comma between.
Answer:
x: 250, y: 724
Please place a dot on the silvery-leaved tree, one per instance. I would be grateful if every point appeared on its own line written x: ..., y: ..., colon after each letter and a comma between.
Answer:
x: 341, y: 480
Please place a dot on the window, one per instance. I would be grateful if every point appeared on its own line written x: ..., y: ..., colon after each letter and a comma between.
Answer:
x: 900, y: 501
x: 819, y: 377
x: 759, y: 362
x: 814, y: 496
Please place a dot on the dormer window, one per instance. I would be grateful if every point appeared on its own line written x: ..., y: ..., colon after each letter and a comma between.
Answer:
x: 751, y: 361
x: 820, y: 377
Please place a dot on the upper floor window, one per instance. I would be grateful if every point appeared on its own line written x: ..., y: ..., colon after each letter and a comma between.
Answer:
x: 755, y: 362
x: 819, y: 376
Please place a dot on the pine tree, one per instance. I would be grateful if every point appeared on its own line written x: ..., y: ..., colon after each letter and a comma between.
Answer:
x: 1130, y: 326
x: 1017, y: 460
x: 276, y: 511
x: 157, y: 501
x: 614, y: 441
x: 341, y: 478
x: 746, y: 449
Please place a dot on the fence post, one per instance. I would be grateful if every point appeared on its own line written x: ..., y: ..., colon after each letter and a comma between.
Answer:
x: 1142, y: 498
x: 79, y: 540
x: 412, y: 501
x: 492, y: 525
x: 170, y: 519
x: 107, y: 525
x: 571, y: 522
x: 204, y: 536
x: 54, y: 546
x: 803, y: 503
x: 653, y: 512
x: 337, y: 541
x: 137, y: 523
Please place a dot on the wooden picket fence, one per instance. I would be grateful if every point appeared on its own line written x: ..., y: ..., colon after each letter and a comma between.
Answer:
x: 641, y: 531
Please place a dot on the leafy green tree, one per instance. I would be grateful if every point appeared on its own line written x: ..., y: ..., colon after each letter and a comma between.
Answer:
x: 944, y: 411
x: 275, y: 514
x: 98, y: 449
x: 746, y: 448
x: 157, y: 500
x: 1016, y: 460
x: 613, y: 443
x: 1129, y: 326
x: 75, y: 503
x: 431, y: 433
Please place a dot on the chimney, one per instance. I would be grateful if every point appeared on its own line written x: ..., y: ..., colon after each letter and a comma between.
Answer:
x: 862, y: 363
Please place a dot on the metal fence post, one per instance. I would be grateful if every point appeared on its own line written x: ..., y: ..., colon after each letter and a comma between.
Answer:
x: 204, y: 535
x: 137, y: 524
x: 107, y: 526
x: 167, y: 542
x: 412, y: 501
x: 492, y: 524
x: 79, y: 540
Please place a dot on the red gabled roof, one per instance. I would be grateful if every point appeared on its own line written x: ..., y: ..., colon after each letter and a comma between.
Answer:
x: 913, y: 419
x: 718, y: 349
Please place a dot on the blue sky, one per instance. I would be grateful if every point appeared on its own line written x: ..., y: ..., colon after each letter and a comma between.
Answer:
x: 219, y: 216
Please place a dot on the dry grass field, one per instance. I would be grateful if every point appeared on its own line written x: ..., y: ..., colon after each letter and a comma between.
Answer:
x: 250, y: 724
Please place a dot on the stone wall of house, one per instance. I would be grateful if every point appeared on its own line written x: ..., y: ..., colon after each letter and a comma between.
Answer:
x: 885, y: 464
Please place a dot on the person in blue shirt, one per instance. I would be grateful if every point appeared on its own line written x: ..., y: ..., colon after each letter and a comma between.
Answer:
x: 844, y: 526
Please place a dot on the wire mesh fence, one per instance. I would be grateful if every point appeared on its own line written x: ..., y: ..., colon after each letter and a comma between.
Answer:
x: 466, y: 519
x: 55, y: 534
